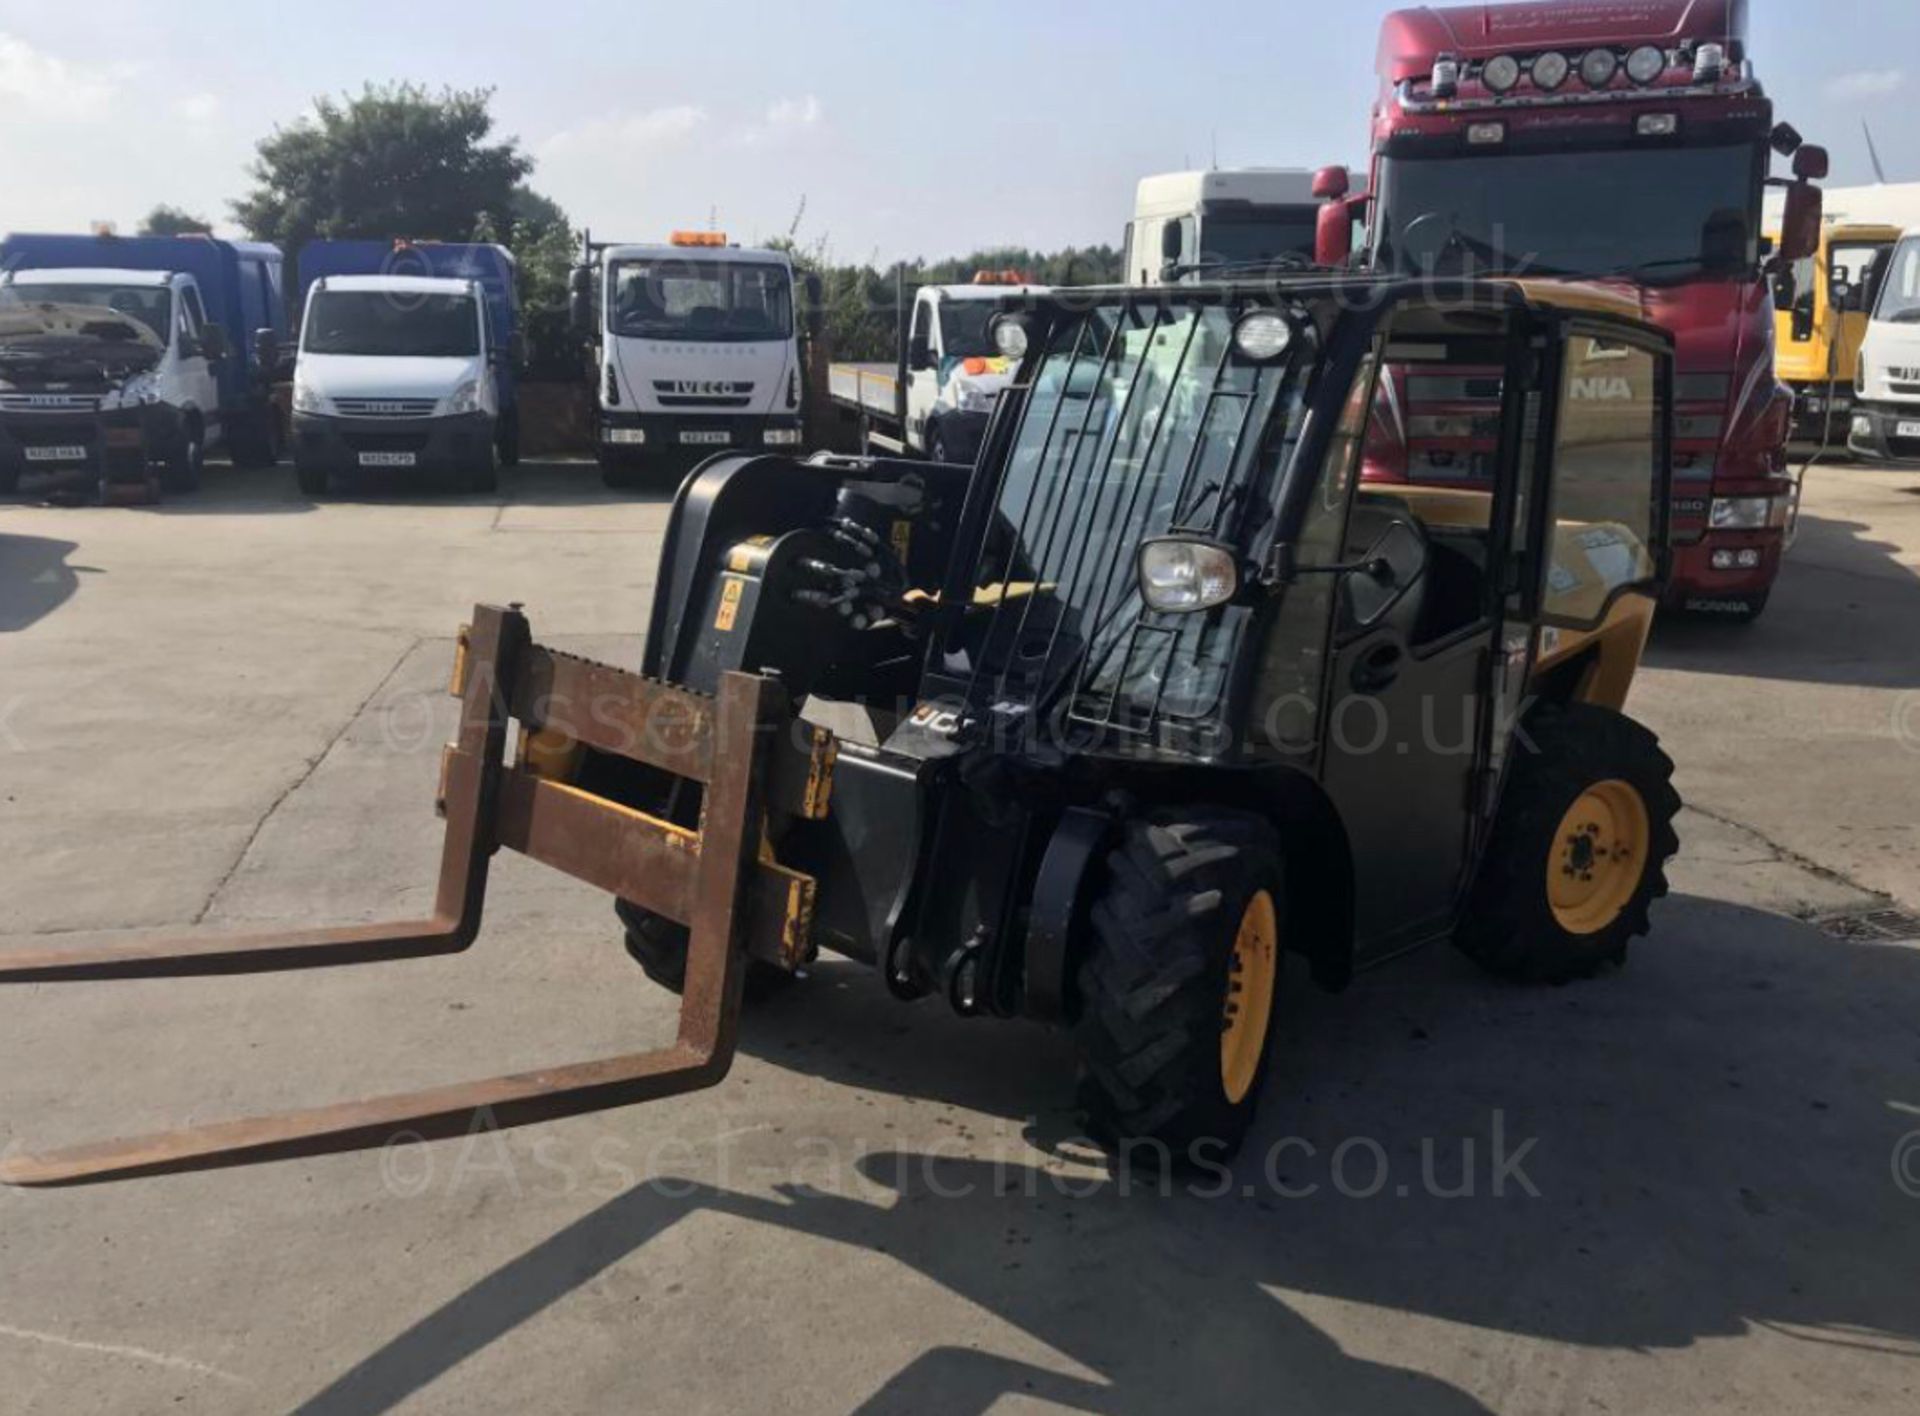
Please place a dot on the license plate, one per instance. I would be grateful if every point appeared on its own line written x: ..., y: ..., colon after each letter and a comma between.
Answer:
x: 1907, y: 430
x: 388, y: 459
x: 706, y: 439
x: 64, y: 453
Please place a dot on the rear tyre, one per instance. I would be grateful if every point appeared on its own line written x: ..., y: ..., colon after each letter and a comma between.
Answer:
x: 1579, y: 853
x: 659, y: 946
x: 181, y: 472
x: 1180, y: 981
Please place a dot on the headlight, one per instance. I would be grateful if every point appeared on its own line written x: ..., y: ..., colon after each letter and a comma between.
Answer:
x: 141, y: 388
x: 305, y: 400
x: 1262, y: 336
x: 1598, y: 66
x: 1748, y: 513
x: 1179, y: 576
x: 971, y: 398
x: 466, y: 398
x: 1862, y: 426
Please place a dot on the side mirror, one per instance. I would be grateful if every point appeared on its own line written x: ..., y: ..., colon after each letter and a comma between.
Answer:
x: 1333, y: 234
x: 266, y: 351
x: 1331, y: 184
x: 213, y: 343
x: 919, y: 353
x: 1842, y: 294
x: 1375, y: 586
x: 1800, y: 224
x: 1811, y: 164
x: 1170, y: 242
x: 580, y: 300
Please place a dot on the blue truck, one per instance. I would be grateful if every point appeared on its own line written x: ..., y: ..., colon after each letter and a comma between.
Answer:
x: 406, y: 361
x: 124, y: 359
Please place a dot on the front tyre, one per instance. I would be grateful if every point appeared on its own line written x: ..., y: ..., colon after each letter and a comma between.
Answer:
x: 1180, y: 981
x: 1579, y: 852
x: 183, y: 467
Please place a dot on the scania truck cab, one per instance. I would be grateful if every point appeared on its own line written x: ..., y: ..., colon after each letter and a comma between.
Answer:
x: 1196, y: 225
x: 1821, y: 323
x: 1886, y: 410
x: 697, y: 350
x: 121, y: 361
x: 406, y: 365
x: 1623, y: 143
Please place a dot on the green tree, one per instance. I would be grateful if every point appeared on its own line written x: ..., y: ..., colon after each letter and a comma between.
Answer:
x: 545, y: 246
x: 166, y: 220
x: 394, y: 160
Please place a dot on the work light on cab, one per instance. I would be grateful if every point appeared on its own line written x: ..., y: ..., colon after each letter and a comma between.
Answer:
x: 1263, y: 336
x: 1646, y: 64
x: 1501, y: 73
x: 1010, y: 337
x: 1550, y: 71
x: 1184, y: 575
x: 1598, y: 67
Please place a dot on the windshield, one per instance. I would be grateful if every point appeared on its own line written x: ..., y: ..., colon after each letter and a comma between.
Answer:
x: 150, y: 307
x: 392, y: 324
x: 1900, y: 294
x: 677, y: 298
x: 1257, y: 237
x: 1672, y: 212
x: 963, y: 328
x: 1140, y: 419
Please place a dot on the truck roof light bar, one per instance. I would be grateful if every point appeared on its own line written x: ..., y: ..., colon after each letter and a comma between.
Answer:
x: 1500, y: 73
x: 1420, y: 102
x: 698, y: 238
x: 1598, y: 67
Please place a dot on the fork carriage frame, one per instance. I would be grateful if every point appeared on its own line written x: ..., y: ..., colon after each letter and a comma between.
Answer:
x: 743, y: 747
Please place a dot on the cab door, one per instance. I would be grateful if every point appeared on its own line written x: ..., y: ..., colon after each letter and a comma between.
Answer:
x: 1417, y: 653
x: 923, y: 370
x: 199, y: 379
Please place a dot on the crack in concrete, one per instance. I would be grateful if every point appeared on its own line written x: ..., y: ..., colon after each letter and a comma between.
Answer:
x: 1785, y: 855
x: 302, y: 778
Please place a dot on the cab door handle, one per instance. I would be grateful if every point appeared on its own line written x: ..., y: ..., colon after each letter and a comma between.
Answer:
x: 1377, y: 668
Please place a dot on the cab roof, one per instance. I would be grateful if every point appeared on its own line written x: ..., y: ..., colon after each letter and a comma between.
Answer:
x: 1410, y: 40
x: 399, y: 284
x: 89, y: 275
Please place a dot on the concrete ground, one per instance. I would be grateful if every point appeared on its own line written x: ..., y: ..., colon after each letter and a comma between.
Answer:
x: 1692, y: 1186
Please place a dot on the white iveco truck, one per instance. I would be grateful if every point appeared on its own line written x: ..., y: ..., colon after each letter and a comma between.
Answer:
x: 697, y: 351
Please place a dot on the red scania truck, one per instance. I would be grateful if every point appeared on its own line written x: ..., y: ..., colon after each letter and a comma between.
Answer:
x: 1620, y: 141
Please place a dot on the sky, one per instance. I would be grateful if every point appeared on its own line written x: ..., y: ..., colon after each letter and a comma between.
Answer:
x: 901, y: 129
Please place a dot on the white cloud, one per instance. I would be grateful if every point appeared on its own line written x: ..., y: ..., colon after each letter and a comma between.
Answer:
x: 45, y: 85
x: 784, y: 118
x: 628, y: 134
x: 1866, y: 83
x: 199, y: 109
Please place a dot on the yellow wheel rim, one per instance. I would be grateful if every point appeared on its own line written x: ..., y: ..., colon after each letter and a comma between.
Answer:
x: 1599, y: 857
x: 1251, y: 975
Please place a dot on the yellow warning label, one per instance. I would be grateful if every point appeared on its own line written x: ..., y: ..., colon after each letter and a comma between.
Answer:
x: 902, y: 539
x: 741, y: 557
x: 730, y: 592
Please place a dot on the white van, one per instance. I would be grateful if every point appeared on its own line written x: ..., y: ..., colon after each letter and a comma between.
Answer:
x: 1886, y: 406
x: 395, y: 372
x: 108, y: 376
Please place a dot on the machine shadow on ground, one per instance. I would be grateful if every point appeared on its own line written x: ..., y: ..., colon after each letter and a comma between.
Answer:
x: 35, y: 579
x: 1801, y: 638
x: 1684, y: 1182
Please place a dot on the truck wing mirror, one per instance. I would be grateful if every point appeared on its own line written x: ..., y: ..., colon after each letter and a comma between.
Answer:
x: 919, y: 353
x: 266, y: 351
x: 1331, y: 184
x: 1333, y: 235
x: 213, y: 343
x: 1170, y: 242
x: 1812, y: 164
x: 1800, y: 224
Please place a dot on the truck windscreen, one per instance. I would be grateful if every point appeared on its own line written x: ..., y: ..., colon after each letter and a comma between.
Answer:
x: 1669, y: 213
x: 678, y: 298
x: 151, y: 305
x: 392, y: 324
x: 1257, y: 236
x: 964, y: 328
x: 1900, y: 294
